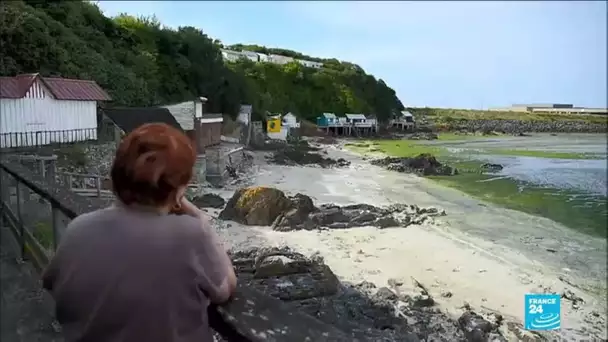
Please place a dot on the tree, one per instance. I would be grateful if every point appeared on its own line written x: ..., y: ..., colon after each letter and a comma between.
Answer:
x: 142, y: 63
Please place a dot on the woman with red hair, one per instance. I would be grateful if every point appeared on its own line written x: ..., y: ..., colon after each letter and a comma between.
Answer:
x: 137, y: 272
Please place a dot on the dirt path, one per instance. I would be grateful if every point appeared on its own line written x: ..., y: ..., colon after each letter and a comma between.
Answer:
x: 483, y: 255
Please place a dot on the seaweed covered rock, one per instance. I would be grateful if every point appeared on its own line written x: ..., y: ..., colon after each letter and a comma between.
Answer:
x: 256, y: 206
x: 355, y: 215
x: 265, y: 206
x: 425, y: 164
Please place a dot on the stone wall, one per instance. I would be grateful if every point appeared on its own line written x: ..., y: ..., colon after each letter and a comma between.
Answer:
x: 518, y: 126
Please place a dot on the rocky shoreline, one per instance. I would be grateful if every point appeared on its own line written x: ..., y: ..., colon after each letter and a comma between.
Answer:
x: 514, y: 127
x: 266, y: 206
x: 400, y: 311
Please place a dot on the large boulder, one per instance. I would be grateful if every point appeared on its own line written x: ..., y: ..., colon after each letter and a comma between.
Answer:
x: 256, y: 206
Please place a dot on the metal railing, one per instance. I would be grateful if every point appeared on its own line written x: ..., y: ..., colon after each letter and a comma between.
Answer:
x: 16, y: 140
x: 37, y: 214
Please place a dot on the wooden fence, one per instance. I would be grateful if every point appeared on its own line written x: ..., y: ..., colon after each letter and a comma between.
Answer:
x: 37, y: 214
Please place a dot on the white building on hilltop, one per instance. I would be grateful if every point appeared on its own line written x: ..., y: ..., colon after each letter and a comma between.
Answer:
x: 233, y: 56
x: 310, y: 64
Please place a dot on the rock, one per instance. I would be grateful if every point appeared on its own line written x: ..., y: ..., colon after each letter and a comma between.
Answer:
x: 384, y: 293
x: 356, y: 215
x: 475, y: 327
x: 422, y: 300
x: 256, y: 206
x: 385, y: 222
x: 208, y: 201
x: 491, y: 167
x: 424, y: 164
x: 285, y: 274
x: 301, y: 153
x: 278, y: 265
x: 365, y: 286
x: 573, y: 298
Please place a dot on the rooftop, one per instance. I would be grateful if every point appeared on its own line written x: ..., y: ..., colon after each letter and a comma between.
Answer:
x: 355, y: 116
x: 61, y: 88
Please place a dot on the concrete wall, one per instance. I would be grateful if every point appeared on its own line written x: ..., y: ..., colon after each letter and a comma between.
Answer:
x: 200, y: 169
x: 258, y: 136
x: 281, y: 135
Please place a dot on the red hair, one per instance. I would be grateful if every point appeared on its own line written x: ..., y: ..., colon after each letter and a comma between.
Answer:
x: 151, y: 163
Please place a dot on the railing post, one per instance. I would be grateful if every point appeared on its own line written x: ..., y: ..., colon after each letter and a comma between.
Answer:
x: 52, y: 172
x: 5, y: 195
x: 57, y: 226
x: 98, y: 185
x: 42, y: 168
x: 20, y: 219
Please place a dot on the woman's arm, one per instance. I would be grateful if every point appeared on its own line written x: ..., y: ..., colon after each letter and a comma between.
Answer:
x: 216, y: 272
x: 212, y: 264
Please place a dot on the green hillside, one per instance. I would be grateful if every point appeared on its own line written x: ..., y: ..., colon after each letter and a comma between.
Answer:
x: 141, y: 63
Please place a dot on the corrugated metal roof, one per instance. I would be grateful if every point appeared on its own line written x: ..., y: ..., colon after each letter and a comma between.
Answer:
x: 183, y: 113
x: 75, y: 90
x: 61, y: 88
x: 355, y: 116
x: 406, y: 113
x: 16, y: 87
x: 329, y: 115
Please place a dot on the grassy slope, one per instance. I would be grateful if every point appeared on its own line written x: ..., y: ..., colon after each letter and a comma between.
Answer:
x: 565, y: 207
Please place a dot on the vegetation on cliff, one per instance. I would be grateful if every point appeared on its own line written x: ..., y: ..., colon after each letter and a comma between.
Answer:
x: 141, y: 63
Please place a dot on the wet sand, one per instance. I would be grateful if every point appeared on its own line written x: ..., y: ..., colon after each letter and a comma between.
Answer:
x: 484, y: 255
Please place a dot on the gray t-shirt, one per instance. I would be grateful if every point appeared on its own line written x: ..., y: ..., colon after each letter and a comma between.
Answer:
x: 124, y: 275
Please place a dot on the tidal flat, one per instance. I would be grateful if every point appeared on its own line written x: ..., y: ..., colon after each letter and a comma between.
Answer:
x: 562, y: 178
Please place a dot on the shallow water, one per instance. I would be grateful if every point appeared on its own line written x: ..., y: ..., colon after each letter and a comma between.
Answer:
x: 585, y: 175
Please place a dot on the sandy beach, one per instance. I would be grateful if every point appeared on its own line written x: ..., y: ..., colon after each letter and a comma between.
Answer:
x: 483, y: 255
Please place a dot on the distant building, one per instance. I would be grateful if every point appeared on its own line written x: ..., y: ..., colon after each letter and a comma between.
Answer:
x: 556, y: 108
x: 231, y: 56
x: 278, y: 59
x: 403, y: 121
x: 327, y: 119
x: 38, y: 110
x: 290, y: 120
x: 310, y: 64
x: 250, y: 55
x: 263, y: 58
x: 203, y: 129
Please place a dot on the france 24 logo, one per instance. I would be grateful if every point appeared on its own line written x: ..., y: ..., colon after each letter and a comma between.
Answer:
x: 543, y: 312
